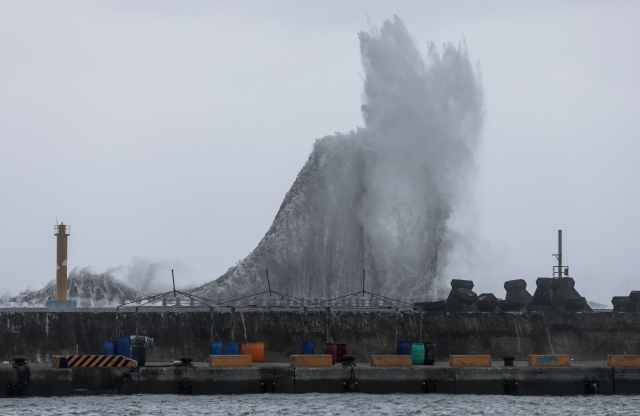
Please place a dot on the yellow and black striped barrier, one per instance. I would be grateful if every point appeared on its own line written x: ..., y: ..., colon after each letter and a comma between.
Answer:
x: 64, y: 361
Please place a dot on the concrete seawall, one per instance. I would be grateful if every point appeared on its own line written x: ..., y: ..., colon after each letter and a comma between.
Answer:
x: 188, y: 331
x: 163, y: 378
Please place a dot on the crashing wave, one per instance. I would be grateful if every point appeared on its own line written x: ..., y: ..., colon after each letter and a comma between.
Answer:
x: 379, y: 198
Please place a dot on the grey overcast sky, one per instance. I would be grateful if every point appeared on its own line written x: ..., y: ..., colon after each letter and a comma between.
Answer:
x: 171, y: 131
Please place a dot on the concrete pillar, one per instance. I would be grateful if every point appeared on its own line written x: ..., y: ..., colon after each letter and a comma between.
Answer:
x: 61, y: 262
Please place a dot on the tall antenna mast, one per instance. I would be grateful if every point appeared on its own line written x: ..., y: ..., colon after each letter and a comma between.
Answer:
x: 560, y: 272
x: 363, y: 283
x: 559, y: 253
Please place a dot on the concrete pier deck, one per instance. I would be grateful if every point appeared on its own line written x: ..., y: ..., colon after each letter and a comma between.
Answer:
x: 592, y: 377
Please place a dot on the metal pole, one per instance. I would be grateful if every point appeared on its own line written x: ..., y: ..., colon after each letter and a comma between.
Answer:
x: 268, y: 283
x: 559, y: 253
x: 363, y: 283
x: 174, y: 283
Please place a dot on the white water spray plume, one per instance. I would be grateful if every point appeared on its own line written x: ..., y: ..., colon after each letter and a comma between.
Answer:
x: 379, y: 198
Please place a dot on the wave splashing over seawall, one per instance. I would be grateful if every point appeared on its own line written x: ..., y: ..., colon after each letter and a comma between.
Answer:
x: 89, y: 289
x: 380, y: 198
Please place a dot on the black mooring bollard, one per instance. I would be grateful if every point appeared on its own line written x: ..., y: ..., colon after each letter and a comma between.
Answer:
x: 20, y: 361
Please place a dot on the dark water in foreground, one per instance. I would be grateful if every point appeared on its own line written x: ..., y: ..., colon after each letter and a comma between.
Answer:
x: 323, y: 404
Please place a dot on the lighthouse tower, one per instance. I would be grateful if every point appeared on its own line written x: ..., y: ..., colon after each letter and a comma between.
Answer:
x: 62, y: 232
x: 61, y: 302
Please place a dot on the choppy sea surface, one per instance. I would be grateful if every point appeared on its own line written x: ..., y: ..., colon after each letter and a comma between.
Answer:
x: 322, y: 404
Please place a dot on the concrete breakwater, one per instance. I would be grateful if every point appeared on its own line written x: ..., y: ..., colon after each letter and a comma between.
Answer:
x: 188, y: 332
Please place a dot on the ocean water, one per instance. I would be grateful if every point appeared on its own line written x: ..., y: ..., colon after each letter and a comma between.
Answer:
x: 322, y: 404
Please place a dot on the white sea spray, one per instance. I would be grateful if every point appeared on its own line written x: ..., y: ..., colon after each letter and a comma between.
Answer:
x: 379, y: 198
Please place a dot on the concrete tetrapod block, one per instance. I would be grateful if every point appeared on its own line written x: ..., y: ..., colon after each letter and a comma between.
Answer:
x: 229, y: 361
x: 487, y: 302
x: 621, y: 303
x: 634, y: 301
x: 549, y: 361
x: 515, y: 285
x: 517, y: 298
x: 575, y: 304
x: 391, y: 361
x: 324, y: 360
x: 623, y: 360
x: 461, y: 284
x: 551, y: 293
x: 470, y: 360
x: 461, y: 300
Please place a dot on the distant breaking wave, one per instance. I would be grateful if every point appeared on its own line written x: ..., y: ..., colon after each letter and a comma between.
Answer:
x: 87, y: 288
x: 379, y: 198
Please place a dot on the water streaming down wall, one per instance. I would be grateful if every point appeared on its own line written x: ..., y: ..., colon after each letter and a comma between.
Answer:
x: 380, y: 197
x: 176, y: 333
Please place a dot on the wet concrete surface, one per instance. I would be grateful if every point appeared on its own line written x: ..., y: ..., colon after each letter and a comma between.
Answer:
x: 582, y: 377
x: 583, y: 336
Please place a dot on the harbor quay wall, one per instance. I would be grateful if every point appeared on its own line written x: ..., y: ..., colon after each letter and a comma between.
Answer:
x: 200, y: 379
x: 188, y: 332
